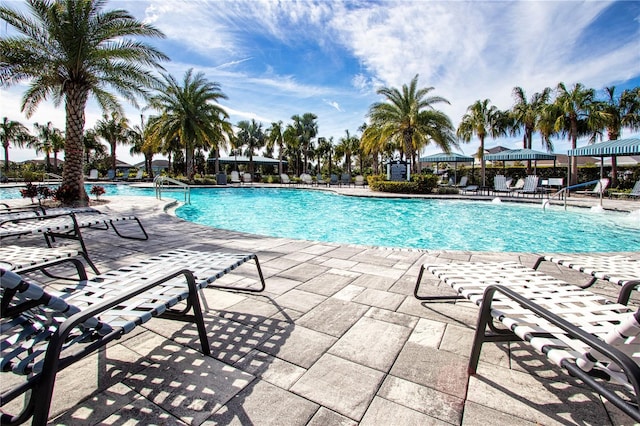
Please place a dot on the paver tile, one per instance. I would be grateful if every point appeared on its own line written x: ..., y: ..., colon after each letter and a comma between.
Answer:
x: 340, y: 385
x: 333, y: 316
x: 371, y: 342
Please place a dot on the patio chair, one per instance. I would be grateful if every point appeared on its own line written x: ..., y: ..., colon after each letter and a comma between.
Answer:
x: 581, y: 339
x: 463, y: 182
x: 359, y: 181
x: 44, y: 332
x: 306, y: 179
x: 333, y: 180
x: 597, y: 190
x: 616, y: 269
x: 582, y: 333
x: 284, y: 179
x: 111, y: 174
x: 345, y: 179
x: 635, y: 192
x: 469, y: 188
x: 518, y: 185
x: 320, y: 180
x: 246, y: 178
x: 500, y: 184
x: 530, y: 186
x: 235, y: 177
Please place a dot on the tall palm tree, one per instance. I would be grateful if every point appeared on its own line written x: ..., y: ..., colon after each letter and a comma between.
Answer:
x: 275, y: 137
x: 306, y: 129
x: 619, y: 111
x: 46, y: 134
x: 143, y: 142
x: 526, y: 115
x: 57, y: 145
x: 189, y: 111
x: 72, y: 49
x: 91, y: 143
x: 12, y: 132
x: 408, y: 116
x: 349, y: 146
x: 482, y: 119
x: 114, y: 129
x: 251, y: 137
x: 575, y: 107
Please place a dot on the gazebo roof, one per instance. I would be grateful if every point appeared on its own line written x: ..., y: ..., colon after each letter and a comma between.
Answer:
x: 519, y: 154
x: 608, y: 149
x: 454, y: 157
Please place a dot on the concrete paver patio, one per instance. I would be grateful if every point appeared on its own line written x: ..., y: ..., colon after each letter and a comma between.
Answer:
x: 337, y: 338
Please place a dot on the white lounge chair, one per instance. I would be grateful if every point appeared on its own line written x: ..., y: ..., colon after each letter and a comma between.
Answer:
x: 22, y: 259
x: 463, y: 182
x: 235, y: 177
x: 44, y: 332
x: 617, y: 269
x: 93, y: 174
x: 246, y: 178
x: 284, y: 179
x: 598, y: 189
x: 530, y: 186
x: 359, y: 181
x: 635, y: 192
x: 583, y: 333
x: 500, y: 184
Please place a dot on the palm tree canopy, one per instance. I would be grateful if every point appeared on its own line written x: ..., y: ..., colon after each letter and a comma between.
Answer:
x: 70, y: 50
x: 12, y: 132
x: 408, y: 116
x: 189, y: 112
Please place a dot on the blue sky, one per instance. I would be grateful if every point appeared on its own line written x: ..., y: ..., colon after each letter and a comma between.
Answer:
x: 274, y: 59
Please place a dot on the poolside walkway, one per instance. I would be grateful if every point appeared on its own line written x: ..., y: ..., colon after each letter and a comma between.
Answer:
x: 336, y: 339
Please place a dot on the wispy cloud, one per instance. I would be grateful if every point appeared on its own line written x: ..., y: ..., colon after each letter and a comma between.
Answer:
x: 278, y: 58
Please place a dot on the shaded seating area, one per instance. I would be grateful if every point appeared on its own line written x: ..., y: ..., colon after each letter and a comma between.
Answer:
x: 584, y: 334
x: 45, y: 331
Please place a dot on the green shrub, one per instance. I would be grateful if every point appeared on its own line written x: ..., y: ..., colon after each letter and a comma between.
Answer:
x: 419, y: 184
x: 444, y: 190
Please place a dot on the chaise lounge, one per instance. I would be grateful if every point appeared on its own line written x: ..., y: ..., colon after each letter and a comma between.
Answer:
x: 583, y: 333
x: 44, y: 332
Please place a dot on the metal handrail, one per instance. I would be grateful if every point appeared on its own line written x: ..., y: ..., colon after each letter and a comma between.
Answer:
x: 167, y: 184
x: 566, y: 189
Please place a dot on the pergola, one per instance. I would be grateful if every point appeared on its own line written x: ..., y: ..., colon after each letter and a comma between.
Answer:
x: 522, y: 155
x: 453, y: 157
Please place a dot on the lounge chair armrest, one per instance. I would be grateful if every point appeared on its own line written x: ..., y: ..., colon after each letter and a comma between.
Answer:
x: 630, y: 368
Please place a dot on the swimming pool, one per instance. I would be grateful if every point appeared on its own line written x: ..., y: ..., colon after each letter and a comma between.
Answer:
x: 407, y: 223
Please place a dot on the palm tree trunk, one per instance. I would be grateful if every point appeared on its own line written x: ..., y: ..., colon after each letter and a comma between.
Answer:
x: 73, y: 176
x: 482, y: 163
x: 6, y: 156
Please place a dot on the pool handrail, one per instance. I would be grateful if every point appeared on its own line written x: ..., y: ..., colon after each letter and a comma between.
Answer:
x: 566, y: 189
x: 167, y: 184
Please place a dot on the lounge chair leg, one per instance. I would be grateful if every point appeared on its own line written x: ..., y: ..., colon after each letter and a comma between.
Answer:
x: 81, y: 271
x: 263, y: 285
x: 146, y: 236
x: 415, y: 290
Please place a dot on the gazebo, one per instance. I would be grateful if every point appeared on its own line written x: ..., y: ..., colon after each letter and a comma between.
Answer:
x: 615, y: 148
x: 522, y: 155
x: 453, y: 157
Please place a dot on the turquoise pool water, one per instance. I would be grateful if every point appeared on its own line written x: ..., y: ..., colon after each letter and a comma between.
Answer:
x: 407, y: 223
